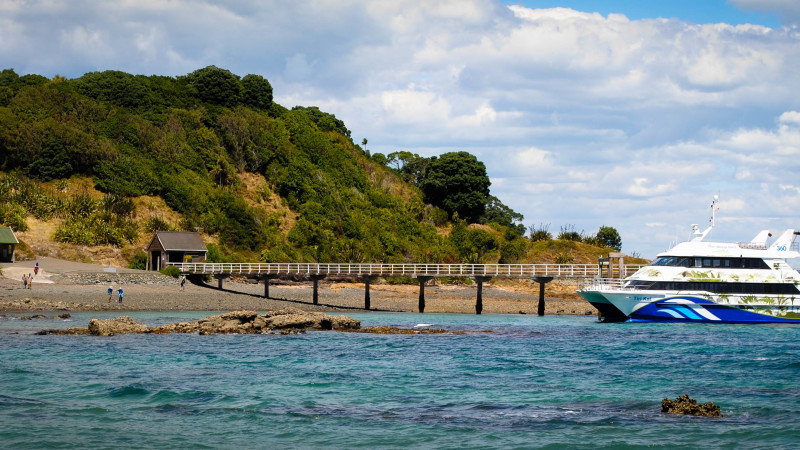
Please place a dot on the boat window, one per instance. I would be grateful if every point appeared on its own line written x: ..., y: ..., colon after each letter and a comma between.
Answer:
x: 726, y: 288
x: 726, y: 263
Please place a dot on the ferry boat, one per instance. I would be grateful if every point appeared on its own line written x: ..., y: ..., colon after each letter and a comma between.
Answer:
x: 709, y: 282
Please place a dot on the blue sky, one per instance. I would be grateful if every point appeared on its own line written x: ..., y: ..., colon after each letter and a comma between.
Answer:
x: 588, y: 114
x: 695, y: 11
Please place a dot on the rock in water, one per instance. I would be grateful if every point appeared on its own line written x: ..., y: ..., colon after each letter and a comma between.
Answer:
x: 239, y: 322
x: 689, y: 406
x: 120, y: 325
x: 295, y: 318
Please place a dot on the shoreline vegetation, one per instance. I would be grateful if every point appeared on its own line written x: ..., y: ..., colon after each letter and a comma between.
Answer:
x: 68, y: 286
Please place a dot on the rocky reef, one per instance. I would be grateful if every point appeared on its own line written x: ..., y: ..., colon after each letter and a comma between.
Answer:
x: 234, y: 322
x: 689, y: 406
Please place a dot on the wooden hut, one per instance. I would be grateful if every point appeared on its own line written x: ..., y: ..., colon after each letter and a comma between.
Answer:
x: 8, y: 243
x: 175, y: 246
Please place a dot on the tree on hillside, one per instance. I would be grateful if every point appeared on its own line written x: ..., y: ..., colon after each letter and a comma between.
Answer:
x: 256, y: 92
x: 118, y: 88
x: 410, y: 166
x: 457, y: 182
x: 498, y: 212
x: 324, y: 121
x: 609, y: 237
x: 214, y: 85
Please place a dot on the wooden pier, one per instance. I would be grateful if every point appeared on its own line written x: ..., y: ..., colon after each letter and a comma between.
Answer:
x: 481, y: 273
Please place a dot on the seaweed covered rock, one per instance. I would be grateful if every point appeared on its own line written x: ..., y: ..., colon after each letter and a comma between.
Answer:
x: 689, y: 406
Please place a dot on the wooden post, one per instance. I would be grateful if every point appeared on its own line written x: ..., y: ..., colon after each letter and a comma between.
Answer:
x: 267, y: 277
x: 315, y: 279
x: 367, y: 279
x: 542, y: 281
x: 422, y: 280
x: 620, y: 264
x: 479, y: 301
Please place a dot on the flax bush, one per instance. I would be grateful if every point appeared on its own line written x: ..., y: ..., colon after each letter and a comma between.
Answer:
x: 155, y: 223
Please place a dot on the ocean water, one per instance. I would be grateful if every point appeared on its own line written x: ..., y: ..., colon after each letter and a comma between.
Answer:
x: 531, y: 382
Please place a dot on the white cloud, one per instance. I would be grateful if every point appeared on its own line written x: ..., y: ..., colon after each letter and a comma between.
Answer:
x: 790, y: 117
x: 410, y: 105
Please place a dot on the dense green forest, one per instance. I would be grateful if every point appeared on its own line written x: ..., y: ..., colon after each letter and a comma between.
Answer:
x: 193, y: 140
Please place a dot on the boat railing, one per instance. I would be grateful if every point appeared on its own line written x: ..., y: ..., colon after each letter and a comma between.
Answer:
x: 615, y: 284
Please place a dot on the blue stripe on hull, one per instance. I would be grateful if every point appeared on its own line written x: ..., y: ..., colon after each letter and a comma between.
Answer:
x: 700, y: 310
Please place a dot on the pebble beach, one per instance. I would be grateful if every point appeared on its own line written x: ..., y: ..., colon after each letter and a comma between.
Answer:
x: 71, y: 286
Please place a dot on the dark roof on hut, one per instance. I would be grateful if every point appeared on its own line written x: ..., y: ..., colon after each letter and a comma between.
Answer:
x: 181, y: 240
x: 7, y: 236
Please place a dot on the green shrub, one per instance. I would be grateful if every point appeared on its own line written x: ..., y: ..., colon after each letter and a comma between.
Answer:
x: 13, y: 215
x: 139, y: 261
x: 74, y: 232
x: 81, y: 205
x: 512, y: 251
x: 156, y: 223
x: 171, y: 271
x: 568, y: 233
x: 541, y: 233
x: 564, y: 258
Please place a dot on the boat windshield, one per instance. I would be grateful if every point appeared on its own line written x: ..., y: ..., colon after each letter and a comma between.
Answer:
x: 678, y: 261
x: 723, y: 263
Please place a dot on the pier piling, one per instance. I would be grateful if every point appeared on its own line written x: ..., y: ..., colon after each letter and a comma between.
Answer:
x: 367, y: 279
x: 315, y: 278
x: 542, y: 281
x: 266, y: 278
x: 479, y: 300
x: 219, y: 280
x: 422, y: 280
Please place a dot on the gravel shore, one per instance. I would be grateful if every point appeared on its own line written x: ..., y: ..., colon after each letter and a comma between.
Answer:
x: 69, y: 286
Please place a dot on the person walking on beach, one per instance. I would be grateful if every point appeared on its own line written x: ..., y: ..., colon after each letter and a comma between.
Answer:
x: 183, y: 281
x: 36, y: 268
x: 120, y: 294
x: 30, y: 281
x: 24, y: 281
x: 110, y: 293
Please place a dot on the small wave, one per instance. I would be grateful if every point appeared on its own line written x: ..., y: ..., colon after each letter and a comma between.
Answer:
x: 420, y: 325
x: 129, y: 391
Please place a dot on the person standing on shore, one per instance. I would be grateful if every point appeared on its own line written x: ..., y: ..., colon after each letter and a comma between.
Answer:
x: 30, y: 281
x: 36, y: 268
x: 183, y: 281
x: 120, y: 294
x: 24, y: 281
x: 110, y: 293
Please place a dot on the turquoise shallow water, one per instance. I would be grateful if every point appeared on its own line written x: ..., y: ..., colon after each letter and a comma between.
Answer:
x: 531, y: 382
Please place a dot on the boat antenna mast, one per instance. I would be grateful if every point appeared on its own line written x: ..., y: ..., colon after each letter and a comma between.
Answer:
x: 698, y: 236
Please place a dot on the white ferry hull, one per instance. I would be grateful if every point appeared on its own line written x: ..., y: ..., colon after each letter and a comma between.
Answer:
x: 627, y: 306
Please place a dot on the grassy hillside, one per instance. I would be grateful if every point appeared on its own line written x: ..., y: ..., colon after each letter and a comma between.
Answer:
x: 92, y: 166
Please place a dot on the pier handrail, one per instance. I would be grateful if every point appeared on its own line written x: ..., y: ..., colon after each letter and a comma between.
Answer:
x: 410, y: 270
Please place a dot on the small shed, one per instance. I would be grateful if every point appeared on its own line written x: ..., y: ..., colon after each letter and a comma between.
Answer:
x: 175, y: 247
x: 8, y: 243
